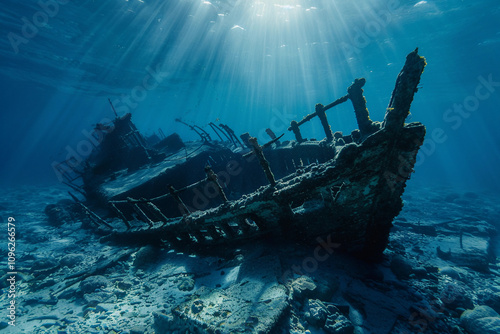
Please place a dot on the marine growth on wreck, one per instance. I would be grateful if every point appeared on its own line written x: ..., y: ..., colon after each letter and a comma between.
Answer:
x: 210, y: 192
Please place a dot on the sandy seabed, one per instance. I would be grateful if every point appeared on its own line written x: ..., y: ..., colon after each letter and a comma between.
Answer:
x: 441, y: 261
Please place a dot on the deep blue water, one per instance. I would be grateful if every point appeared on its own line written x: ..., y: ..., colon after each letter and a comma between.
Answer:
x: 249, y: 64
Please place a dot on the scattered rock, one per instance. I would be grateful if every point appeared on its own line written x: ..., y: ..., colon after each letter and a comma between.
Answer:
x: 99, y: 297
x: 249, y: 297
x: 454, y: 296
x: 146, y: 256
x: 40, y: 298
x: 328, y: 317
x: 124, y: 285
x: 197, y: 306
x: 106, y: 307
x: 256, y: 295
x: 315, y: 313
x: 147, y: 286
x: 71, y: 260
x: 336, y: 323
x: 70, y: 319
x: 481, y: 320
x: 184, y: 283
x: 89, y: 309
x: 493, y: 301
x: 419, y: 272
x: 400, y: 267
x: 453, y: 272
x: 44, y: 266
x: 303, y: 287
x: 234, y: 306
x: 45, y: 284
x: 90, y: 284
x: 70, y: 292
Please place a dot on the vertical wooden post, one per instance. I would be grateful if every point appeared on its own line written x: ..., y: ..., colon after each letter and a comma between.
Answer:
x: 262, y: 160
x: 139, y: 211
x: 294, y: 126
x: 122, y: 216
x: 321, y: 112
x: 179, y: 201
x: 157, y: 212
x: 355, y: 93
x: 211, y: 176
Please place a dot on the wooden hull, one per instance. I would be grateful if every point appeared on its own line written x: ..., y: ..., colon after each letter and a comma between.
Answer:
x: 346, y: 195
x: 349, y: 200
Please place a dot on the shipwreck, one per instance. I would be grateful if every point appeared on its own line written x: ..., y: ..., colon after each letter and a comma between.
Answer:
x: 206, y: 193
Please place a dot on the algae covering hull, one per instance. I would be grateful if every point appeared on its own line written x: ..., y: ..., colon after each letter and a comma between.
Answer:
x: 349, y: 201
x: 344, y: 191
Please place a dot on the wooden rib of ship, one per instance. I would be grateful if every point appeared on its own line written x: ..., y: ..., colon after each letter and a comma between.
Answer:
x: 345, y: 188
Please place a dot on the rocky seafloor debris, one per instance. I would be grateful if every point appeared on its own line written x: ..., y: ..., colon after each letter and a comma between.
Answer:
x: 439, y: 274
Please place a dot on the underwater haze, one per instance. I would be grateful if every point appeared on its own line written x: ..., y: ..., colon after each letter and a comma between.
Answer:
x: 109, y: 231
x: 249, y: 64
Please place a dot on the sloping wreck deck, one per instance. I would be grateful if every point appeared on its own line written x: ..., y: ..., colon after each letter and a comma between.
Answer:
x: 343, y: 189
